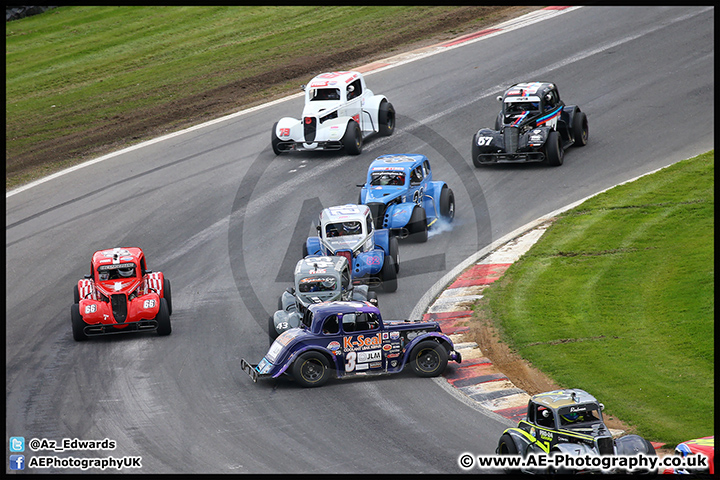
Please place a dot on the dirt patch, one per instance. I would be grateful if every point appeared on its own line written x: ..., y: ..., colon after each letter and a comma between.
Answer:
x: 520, y: 372
x: 105, y: 136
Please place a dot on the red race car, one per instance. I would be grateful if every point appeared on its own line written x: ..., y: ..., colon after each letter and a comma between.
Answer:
x: 120, y: 295
x: 704, y: 446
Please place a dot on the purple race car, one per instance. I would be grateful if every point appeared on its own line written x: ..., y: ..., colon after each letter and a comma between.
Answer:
x: 352, y: 339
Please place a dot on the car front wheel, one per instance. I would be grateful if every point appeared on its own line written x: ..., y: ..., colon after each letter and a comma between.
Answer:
x: 447, y: 203
x: 386, y: 118
x: 553, y: 149
x: 428, y: 359
x: 580, y: 129
x: 352, y: 140
x: 78, y: 324
x: 163, y: 319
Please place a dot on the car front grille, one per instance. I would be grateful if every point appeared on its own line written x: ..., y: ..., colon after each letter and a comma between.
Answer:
x: 605, y: 445
x: 511, y: 135
x: 347, y: 254
x: 119, y: 307
x: 310, y: 128
x: 377, y: 210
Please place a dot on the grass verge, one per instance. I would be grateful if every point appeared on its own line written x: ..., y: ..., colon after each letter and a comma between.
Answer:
x: 84, y: 80
x: 617, y: 298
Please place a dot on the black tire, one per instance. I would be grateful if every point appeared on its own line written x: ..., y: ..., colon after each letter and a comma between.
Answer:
x: 553, y: 150
x: 311, y: 369
x: 476, y: 152
x: 506, y: 445
x: 386, y: 119
x: 76, y: 294
x: 304, y: 250
x: 352, y: 139
x: 428, y: 359
x: 167, y: 294
x: 78, y: 324
x: 417, y: 226
x: 372, y: 298
x: 580, y: 129
x: 163, y: 319
x: 389, y: 275
x: 447, y: 203
x: 274, y: 140
x: 272, y: 331
x: 394, y: 252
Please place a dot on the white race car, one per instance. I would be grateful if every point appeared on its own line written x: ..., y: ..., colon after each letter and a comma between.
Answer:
x: 339, y: 111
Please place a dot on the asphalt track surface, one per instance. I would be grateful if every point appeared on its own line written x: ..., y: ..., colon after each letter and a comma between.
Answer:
x: 224, y: 219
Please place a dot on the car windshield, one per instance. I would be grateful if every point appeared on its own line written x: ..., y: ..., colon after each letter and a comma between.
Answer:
x: 343, y: 229
x: 317, y: 284
x: 114, y: 272
x: 387, y: 178
x: 516, y: 108
x: 578, y: 414
x: 325, y: 94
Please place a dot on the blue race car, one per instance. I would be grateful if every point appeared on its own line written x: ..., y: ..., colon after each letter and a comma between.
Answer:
x: 348, y: 231
x: 403, y: 197
x: 350, y: 338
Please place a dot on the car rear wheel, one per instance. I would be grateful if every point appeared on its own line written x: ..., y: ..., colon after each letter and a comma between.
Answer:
x: 167, y: 294
x: 389, y: 275
x: 76, y: 294
x: 272, y: 331
x: 352, y: 139
x: 78, y: 324
x: 417, y: 226
x: 428, y: 359
x: 163, y: 319
x: 580, y: 129
x: 386, y: 118
x: 311, y: 369
x: 447, y: 203
x: 553, y: 149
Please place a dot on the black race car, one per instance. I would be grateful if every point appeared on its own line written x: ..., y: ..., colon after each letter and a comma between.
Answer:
x: 533, y: 126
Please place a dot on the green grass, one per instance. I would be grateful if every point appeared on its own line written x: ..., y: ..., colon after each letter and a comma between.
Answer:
x: 79, y: 68
x: 617, y: 298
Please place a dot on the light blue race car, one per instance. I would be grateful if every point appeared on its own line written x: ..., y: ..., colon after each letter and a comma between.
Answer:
x: 402, y: 196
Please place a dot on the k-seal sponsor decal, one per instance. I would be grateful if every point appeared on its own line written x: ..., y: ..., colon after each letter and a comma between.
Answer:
x: 361, y: 342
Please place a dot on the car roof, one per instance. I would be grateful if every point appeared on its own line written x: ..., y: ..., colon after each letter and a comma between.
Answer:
x: 117, y: 255
x: 396, y: 161
x: 309, y: 265
x: 340, y: 307
x: 344, y: 213
x: 334, y: 79
x: 560, y: 398
x: 527, y: 91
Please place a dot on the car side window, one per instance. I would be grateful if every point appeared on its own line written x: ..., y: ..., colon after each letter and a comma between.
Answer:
x: 355, y: 91
x: 416, y: 176
x: 544, y: 417
x: 348, y: 322
x: 331, y: 325
x: 426, y: 167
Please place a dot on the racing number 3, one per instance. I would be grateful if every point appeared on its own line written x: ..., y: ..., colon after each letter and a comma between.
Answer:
x: 350, y: 360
